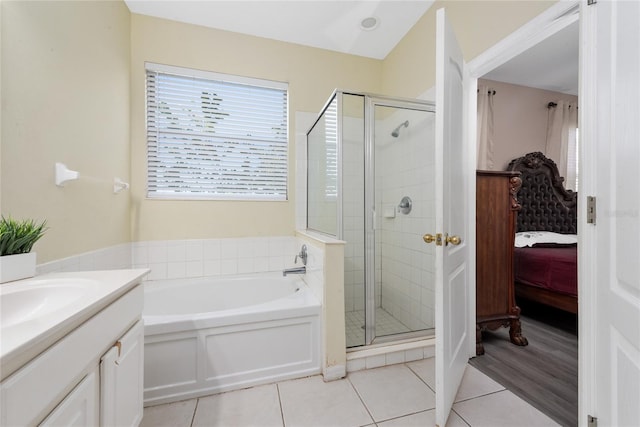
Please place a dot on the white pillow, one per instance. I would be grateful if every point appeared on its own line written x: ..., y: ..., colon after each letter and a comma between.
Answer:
x: 530, y: 238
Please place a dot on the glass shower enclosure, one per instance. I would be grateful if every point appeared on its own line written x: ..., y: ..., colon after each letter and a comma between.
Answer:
x: 370, y: 182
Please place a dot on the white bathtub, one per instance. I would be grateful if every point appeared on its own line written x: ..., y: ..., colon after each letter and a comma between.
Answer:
x: 209, y: 335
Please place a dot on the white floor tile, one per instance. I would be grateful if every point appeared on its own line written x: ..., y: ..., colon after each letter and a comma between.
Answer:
x: 475, y: 384
x: 423, y: 419
x: 178, y: 414
x: 312, y: 402
x: 257, y: 406
x: 425, y: 369
x: 502, y: 409
x: 392, y: 391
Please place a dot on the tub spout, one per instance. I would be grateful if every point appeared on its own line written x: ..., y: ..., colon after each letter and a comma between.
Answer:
x: 295, y: 270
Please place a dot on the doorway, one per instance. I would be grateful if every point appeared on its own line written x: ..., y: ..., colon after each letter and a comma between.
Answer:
x: 553, y: 333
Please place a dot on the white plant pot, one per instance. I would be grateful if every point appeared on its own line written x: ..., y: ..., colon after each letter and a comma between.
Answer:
x: 16, y: 267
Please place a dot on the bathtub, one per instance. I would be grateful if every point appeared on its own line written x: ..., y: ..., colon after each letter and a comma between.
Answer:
x: 209, y: 335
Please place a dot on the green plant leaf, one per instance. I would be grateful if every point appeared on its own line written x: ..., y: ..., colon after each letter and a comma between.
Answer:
x: 18, y: 237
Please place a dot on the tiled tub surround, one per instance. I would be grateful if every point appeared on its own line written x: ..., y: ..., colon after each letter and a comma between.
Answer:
x: 175, y: 259
x: 172, y: 259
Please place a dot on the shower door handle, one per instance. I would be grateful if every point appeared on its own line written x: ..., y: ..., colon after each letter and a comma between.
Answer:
x: 430, y: 238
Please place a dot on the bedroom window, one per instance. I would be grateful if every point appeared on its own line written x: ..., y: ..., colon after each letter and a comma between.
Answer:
x: 215, y: 137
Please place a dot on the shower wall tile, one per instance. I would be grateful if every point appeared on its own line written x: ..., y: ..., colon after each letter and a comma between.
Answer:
x: 408, y: 277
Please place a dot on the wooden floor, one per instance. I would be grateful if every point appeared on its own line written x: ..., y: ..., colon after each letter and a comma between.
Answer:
x: 544, y: 373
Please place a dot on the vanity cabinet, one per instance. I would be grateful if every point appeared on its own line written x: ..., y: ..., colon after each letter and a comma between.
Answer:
x: 496, y: 209
x: 80, y: 407
x: 92, y: 376
x: 121, y: 380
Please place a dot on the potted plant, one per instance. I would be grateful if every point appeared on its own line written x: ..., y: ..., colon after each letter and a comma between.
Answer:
x: 16, y: 240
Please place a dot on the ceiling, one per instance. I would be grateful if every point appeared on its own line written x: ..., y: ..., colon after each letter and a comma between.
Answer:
x: 551, y: 64
x: 326, y: 24
x: 335, y: 25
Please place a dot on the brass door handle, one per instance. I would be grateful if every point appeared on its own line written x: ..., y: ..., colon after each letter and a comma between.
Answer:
x: 430, y: 238
x: 454, y: 240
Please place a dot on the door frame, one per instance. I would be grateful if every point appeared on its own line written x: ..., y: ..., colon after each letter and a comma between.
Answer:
x: 371, y: 102
x: 554, y: 19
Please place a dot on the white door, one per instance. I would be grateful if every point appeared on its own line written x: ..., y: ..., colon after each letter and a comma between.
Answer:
x: 452, y: 221
x: 610, y: 249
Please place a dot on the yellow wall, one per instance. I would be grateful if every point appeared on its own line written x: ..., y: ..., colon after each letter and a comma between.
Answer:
x: 65, y: 98
x: 409, y: 70
x: 312, y: 75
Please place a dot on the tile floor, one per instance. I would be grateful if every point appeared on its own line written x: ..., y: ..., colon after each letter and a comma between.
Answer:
x: 391, y: 396
x: 386, y: 324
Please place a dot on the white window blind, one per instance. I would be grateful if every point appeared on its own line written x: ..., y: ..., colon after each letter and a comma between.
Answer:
x: 214, y: 136
x: 331, y: 132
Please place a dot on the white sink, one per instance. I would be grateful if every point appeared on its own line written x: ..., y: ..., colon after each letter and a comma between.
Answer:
x: 40, y: 298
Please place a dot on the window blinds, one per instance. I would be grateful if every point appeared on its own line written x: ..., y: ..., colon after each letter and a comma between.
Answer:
x: 214, y: 136
x: 331, y: 132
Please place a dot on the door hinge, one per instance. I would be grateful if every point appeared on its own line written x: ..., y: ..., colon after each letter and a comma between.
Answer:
x: 592, y: 421
x: 591, y: 210
x: 591, y: 2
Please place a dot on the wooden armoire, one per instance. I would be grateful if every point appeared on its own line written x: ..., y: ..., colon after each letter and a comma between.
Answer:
x: 496, y: 209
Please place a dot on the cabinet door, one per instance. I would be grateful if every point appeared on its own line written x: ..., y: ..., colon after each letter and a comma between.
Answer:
x: 121, y: 387
x: 79, y: 408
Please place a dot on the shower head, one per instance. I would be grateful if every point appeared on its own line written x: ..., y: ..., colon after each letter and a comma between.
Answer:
x: 396, y: 131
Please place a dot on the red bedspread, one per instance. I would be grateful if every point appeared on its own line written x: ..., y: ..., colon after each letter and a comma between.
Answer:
x: 555, y: 269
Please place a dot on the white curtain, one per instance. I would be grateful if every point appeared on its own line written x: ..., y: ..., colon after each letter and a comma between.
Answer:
x: 485, y: 127
x: 561, y: 140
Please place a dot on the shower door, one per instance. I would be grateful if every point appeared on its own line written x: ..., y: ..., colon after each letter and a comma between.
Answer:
x: 399, y: 193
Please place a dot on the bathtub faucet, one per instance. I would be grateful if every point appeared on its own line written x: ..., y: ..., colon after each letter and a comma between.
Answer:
x: 295, y: 270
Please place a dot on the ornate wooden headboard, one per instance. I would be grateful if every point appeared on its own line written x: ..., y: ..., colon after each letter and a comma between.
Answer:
x: 546, y: 204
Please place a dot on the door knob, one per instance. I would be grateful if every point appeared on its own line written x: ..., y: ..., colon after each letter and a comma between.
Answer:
x: 429, y: 238
x: 454, y: 240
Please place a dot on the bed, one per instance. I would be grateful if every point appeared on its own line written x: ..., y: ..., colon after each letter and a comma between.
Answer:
x: 545, y: 256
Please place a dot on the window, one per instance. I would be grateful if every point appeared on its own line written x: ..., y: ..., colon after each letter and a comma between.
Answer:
x: 331, y: 130
x: 214, y: 136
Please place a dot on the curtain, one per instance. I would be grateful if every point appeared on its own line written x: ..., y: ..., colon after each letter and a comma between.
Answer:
x: 485, y: 127
x: 561, y: 140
